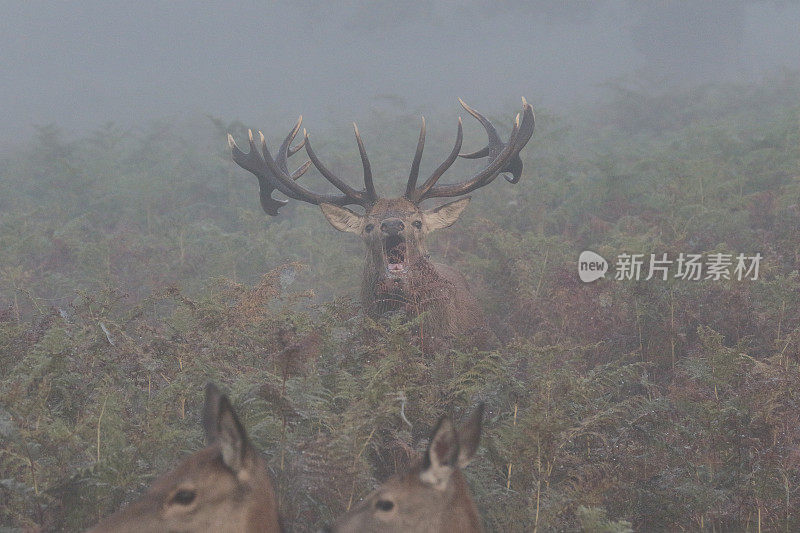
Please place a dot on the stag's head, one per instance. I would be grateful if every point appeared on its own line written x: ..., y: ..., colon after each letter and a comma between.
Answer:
x: 432, y: 496
x: 393, y: 229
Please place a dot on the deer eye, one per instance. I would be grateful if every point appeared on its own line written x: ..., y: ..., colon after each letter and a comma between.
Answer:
x: 417, y: 224
x: 184, y: 497
x: 384, y: 505
x: 369, y: 227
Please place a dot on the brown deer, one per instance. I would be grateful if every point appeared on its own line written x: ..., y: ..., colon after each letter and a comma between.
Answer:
x: 398, y: 273
x: 224, y: 487
x: 432, y: 496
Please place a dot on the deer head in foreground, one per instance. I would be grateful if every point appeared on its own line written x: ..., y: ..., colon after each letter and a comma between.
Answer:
x: 432, y: 496
x: 398, y: 273
x: 224, y: 487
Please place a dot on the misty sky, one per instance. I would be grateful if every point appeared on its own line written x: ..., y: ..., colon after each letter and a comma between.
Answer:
x: 79, y: 65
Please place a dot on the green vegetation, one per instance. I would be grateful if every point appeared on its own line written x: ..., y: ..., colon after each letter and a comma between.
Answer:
x: 132, y: 271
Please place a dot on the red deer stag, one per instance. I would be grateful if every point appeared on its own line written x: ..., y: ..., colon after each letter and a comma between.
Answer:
x: 398, y: 273
x: 224, y: 487
x: 432, y: 497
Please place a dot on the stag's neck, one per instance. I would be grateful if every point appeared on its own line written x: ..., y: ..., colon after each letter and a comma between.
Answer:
x: 436, y: 290
x: 422, y: 276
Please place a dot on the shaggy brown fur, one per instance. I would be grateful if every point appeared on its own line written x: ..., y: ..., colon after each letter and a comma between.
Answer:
x: 399, y: 275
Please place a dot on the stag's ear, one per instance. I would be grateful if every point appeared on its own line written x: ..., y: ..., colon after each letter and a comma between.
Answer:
x: 441, y: 458
x: 222, y: 426
x: 342, y: 218
x: 444, y: 215
x: 469, y: 436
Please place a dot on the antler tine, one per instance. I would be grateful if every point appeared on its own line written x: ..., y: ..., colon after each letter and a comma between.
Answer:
x: 514, y: 165
x: 482, y: 178
x: 294, y: 149
x: 491, y: 132
x: 504, y: 156
x: 369, y: 186
x: 300, y: 171
x: 254, y: 164
x: 420, y: 193
x: 287, y: 185
x: 412, y: 177
x: 274, y: 173
x: 286, y: 150
x: 357, y: 196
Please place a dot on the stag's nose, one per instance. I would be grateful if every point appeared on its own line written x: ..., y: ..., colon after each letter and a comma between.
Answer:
x: 392, y: 226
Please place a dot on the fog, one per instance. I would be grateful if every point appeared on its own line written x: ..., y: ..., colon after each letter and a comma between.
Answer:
x: 81, y: 65
x: 628, y: 312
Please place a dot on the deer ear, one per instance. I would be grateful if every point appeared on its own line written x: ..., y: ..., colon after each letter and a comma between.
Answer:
x: 444, y: 215
x: 469, y: 436
x: 211, y: 413
x: 342, y: 218
x: 222, y: 427
x: 442, y: 455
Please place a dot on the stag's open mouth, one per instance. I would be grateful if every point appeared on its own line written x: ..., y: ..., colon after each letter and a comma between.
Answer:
x: 394, y: 251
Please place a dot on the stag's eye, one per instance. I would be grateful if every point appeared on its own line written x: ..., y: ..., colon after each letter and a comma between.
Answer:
x: 417, y: 224
x: 384, y: 505
x: 184, y: 497
x: 369, y: 227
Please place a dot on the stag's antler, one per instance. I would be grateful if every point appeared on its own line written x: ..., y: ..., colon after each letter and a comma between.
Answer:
x: 273, y: 173
x: 503, y: 158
